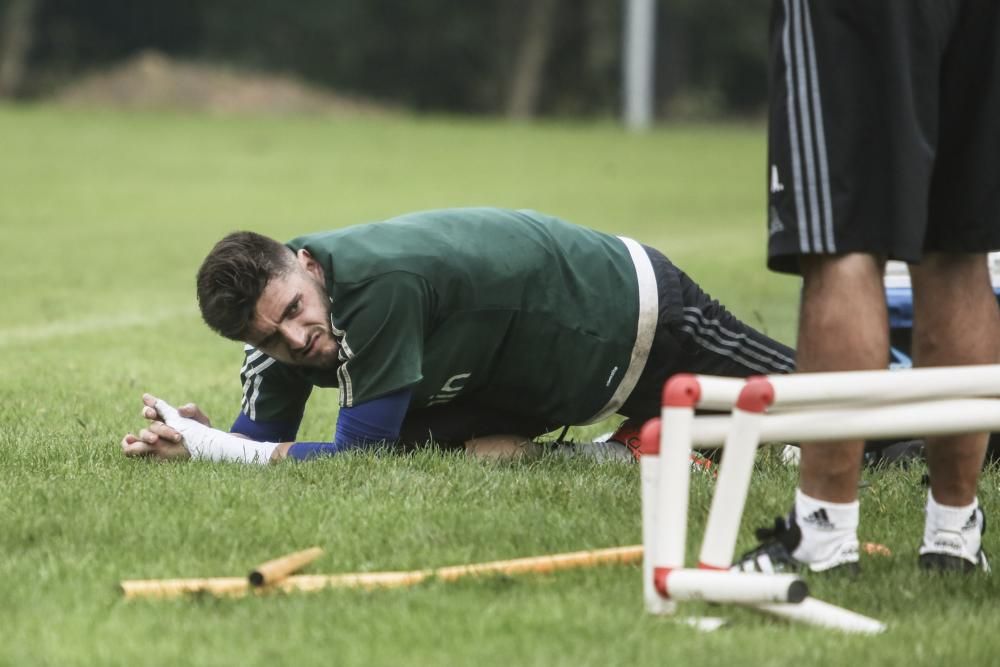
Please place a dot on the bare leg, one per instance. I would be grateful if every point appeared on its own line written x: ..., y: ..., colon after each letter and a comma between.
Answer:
x: 520, y: 448
x: 956, y: 322
x: 502, y: 447
x: 843, y: 325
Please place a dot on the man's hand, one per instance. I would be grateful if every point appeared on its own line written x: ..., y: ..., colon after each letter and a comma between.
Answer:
x: 158, y: 440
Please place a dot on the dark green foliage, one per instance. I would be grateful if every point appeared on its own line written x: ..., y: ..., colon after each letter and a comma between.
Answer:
x: 440, y: 55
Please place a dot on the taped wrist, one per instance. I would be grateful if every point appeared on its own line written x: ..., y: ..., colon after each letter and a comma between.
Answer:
x: 205, y: 443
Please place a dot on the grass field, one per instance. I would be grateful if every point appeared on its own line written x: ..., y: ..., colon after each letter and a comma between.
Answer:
x: 104, y: 218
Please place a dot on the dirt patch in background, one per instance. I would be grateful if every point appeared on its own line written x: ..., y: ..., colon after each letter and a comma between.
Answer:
x: 151, y: 80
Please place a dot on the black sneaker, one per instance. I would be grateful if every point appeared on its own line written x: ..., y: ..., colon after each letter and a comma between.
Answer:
x: 946, y: 551
x: 774, y: 554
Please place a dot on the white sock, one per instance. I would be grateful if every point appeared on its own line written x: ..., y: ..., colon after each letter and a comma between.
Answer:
x: 210, y: 444
x: 954, y: 530
x: 829, y: 532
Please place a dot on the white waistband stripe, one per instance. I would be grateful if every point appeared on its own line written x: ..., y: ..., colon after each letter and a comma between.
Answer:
x: 649, y: 310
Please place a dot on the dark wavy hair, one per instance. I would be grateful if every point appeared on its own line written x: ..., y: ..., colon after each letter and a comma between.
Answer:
x: 234, y: 275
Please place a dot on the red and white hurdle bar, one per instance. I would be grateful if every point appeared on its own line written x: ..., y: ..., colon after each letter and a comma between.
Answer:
x: 803, y: 407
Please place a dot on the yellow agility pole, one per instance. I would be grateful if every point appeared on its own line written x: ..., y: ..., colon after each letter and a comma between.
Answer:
x: 239, y: 586
x: 365, y: 580
x: 175, y: 588
x: 529, y: 565
x: 275, y: 570
x: 545, y: 564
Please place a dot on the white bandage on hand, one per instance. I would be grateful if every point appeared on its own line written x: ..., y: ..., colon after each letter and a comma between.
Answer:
x: 211, y: 444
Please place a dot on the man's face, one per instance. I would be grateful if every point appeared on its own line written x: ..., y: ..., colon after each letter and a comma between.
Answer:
x: 292, y: 319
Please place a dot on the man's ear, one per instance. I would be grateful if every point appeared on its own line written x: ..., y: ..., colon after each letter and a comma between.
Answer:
x: 309, y: 263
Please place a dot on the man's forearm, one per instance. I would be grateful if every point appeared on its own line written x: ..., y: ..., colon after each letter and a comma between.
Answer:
x: 211, y: 444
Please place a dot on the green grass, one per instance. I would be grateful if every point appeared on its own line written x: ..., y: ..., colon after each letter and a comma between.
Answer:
x: 104, y: 219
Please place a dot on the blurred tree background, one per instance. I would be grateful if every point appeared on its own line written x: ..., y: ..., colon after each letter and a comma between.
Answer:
x: 520, y: 58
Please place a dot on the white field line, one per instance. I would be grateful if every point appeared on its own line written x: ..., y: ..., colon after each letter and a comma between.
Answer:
x: 95, y: 324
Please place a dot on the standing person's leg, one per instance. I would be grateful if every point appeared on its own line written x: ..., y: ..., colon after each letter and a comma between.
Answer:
x: 851, y: 139
x: 956, y: 322
x: 955, y: 312
x: 843, y: 325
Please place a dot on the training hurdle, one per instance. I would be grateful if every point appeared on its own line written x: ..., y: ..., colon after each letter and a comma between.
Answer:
x: 803, y: 407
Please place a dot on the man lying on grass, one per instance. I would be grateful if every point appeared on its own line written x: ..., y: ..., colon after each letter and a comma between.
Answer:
x: 477, y: 328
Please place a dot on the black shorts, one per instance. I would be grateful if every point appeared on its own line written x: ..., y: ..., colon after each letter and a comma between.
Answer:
x: 884, y: 135
x: 694, y: 334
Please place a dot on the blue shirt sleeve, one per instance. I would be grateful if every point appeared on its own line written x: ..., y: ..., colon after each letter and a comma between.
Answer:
x: 371, y: 422
x: 261, y: 431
